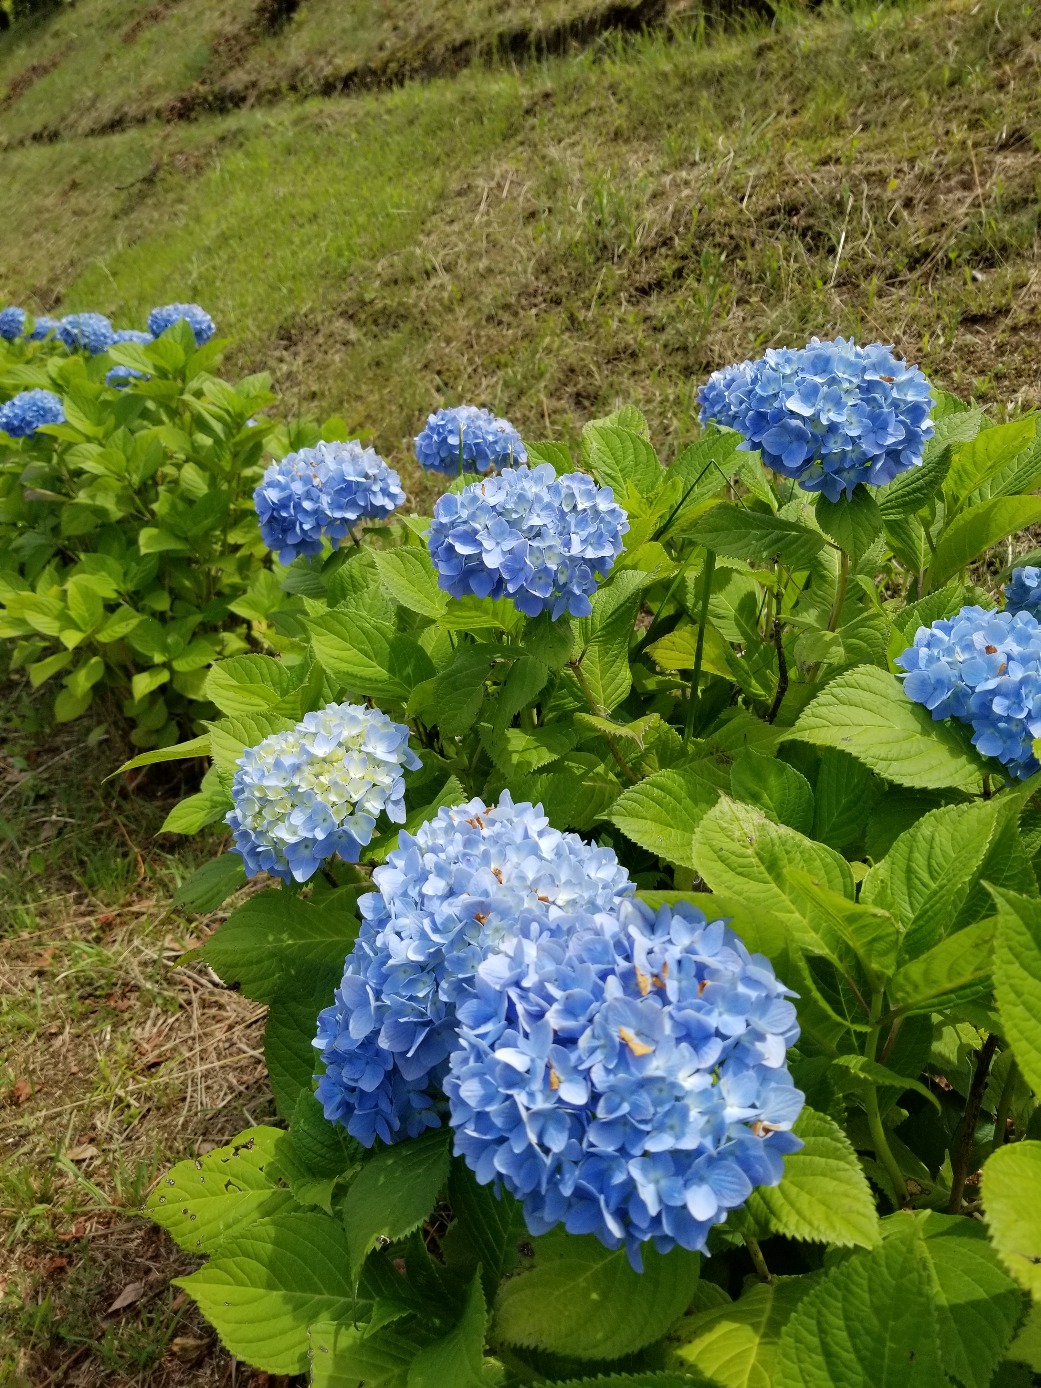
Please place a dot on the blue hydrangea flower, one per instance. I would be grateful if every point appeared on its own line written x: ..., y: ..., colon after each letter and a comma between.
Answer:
x: 25, y: 412
x: 323, y: 492
x: 89, y: 332
x: 44, y: 327
x: 1023, y: 591
x: 544, y: 541
x: 829, y: 415
x: 464, y: 438
x: 983, y: 668
x: 629, y: 1083
x: 472, y: 881
x: 200, y: 322
x: 132, y: 335
x: 302, y: 796
x: 12, y: 323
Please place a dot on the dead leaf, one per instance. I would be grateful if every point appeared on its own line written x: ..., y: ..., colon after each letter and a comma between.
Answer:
x: 189, y: 1349
x: 178, y: 1301
x: 78, y: 1231
x: 20, y: 1091
x: 133, y: 1291
x: 83, y: 1153
x: 43, y: 959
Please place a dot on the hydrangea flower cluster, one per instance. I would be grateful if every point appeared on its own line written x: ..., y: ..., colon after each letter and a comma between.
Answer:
x: 544, y: 541
x: 983, y: 668
x: 44, y: 327
x: 322, y: 492
x: 25, y: 412
x: 631, y: 1085
x: 1023, y: 591
x: 829, y: 415
x: 200, y: 322
x: 88, y: 332
x: 464, y: 438
x: 132, y: 335
x: 620, y: 1071
x: 12, y: 323
x: 472, y: 880
x: 302, y: 796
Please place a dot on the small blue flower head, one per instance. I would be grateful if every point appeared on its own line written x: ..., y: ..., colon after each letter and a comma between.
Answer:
x: 12, y: 323
x: 629, y: 1083
x: 87, y: 332
x: 132, y: 335
x: 200, y: 322
x: 304, y: 795
x: 829, y: 415
x: 544, y: 541
x: 1023, y: 591
x: 24, y: 413
x: 464, y: 438
x: 983, y: 668
x: 44, y: 327
x: 472, y: 882
x: 322, y: 492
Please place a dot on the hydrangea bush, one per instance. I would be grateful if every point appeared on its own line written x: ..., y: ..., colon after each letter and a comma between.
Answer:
x: 673, y: 1019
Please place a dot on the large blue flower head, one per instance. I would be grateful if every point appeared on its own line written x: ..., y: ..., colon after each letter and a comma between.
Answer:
x: 25, y: 412
x: 829, y: 415
x: 983, y: 668
x: 86, y: 332
x: 12, y: 323
x: 544, y: 541
x: 1023, y: 591
x: 464, y: 438
x: 44, y: 327
x: 473, y: 881
x: 629, y: 1084
x: 302, y: 796
x: 322, y: 492
x: 200, y: 322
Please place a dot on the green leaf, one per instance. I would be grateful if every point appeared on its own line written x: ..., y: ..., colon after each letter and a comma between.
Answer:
x: 397, y: 1188
x: 456, y: 1360
x: 603, y: 640
x: 823, y: 1196
x: 662, y: 813
x: 41, y: 670
x: 493, y: 1224
x: 197, y: 747
x: 524, y: 683
x: 154, y: 540
x: 991, y: 450
x: 369, y: 657
x: 743, y: 534
x: 273, y: 932
x: 736, y: 1345
x: 870, y: 1322
x: 246, y: 684
x: 408, y: 575
x: 775, y: 787
x: 1017, y: 979
x: 145, y: 681
x: 68, y: 705
x: 865, y: 712
x: 345, y: 1355
x: 954, y: 971
x: 204, y: 1199
x: 621, y: 458
x: 843, y: 795
x: 854, y: 523
x: 976, y: 529
x: 584, y: 1301
x: 909, y: 492
x: 859, y: 1073
x: 212, y: 884
x: 304, y: 989
x: 229, y: 737
x: 1026, y: 1347
x: 267, y: 1285
x: 453, y: 698
x: 197, y: 811
x: 1011, y: 1181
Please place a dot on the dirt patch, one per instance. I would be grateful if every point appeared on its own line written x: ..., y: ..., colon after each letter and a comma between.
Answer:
x: 155, y: 14
x: 26, y: 78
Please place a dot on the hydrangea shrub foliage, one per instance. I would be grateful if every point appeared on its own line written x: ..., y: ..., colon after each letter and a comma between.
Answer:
x: 654, y: 977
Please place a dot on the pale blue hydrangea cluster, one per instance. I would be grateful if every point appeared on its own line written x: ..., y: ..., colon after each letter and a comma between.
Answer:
x: 86, y: 332
x: 983, y: 668
x: 12, y: 323
x: 44, y: 327
x: 619, y: 1070
x: 1023, y: 591
x: 320, y: 493
x: 24, y: 413
x: 200, y: 322
x: 544, y: 541
x: 829, y: 415
x: 318, y: 790
x: 464, y: 438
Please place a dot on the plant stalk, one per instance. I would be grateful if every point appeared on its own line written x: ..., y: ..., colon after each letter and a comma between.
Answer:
x: 758, y: 1261
x: 1004, y: 1105
x: 699, y: 649
x: 883, y: 1151
x: 963, y: 1157
x: 840, y: 591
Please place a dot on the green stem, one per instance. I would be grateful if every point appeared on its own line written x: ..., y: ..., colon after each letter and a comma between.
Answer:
x: 883, y: 1151
x: 1004, y: 1105
x: 758, y: 1261
x: 840, y: 591
x: 961, y: 1156
x: 699, y: 649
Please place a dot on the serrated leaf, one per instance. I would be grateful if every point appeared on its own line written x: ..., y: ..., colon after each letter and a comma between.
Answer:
x: 953, y: 971
x: 246, y: 684
x: 843, y: 795
x: 265, y: 1287
x: 648, y: 1380
x: 196, y: 747
x: 975, y: 462
x: 370, y: 658
x: 823, y: 1196
x: 976, y: 529
x: 1011, y: 1181
x: 393, y: 1194
x: 212, y: 884
x: 1017, y: 979
x: 456, y: 1359
x: 662, y: 813
x: 736, y: 1345
x: 229, y: 737
x: 306, y: 985
x: 203, y: 1200
x: 775, y: 788
x: 1026, y: 1347
x: 621, y: 458
x: 859, y: 1072
x: 854, y: 523
x: 493, y: 1224
x: 865, y: 712
x: 585, y: 1301
x: 409, y: 576
x: 345, y: 1355
x: 197, y: 811
x: 453, y: 698
x: 733, y: 530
